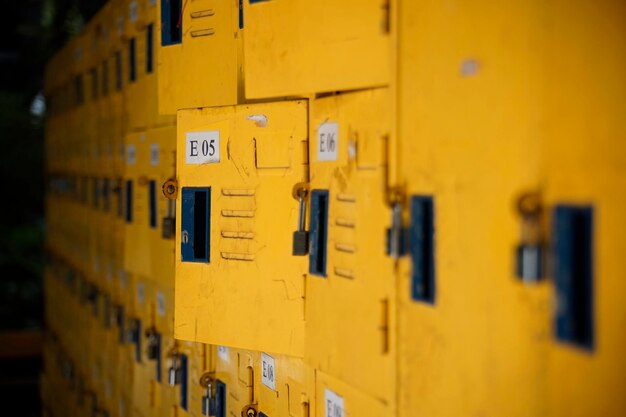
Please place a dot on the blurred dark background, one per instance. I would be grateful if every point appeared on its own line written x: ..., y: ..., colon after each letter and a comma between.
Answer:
x: 32, y: 31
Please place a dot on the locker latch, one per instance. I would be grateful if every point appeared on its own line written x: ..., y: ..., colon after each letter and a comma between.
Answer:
x: 174, y: 371
x: 152, y: 344
x: 209, y: 397
x: 530, y: 251
x: 168, y: 223
x: 301, y: 236
x: 397, y: 234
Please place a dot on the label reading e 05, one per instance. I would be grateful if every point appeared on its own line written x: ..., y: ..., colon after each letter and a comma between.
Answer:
x: 131, y: 154
x: 333, y: 404
x: 202, y: 147
x: 327, y: 141
x: 268, y: 371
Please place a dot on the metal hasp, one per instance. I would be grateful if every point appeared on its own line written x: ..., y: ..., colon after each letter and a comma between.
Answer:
x: 153, y: 349
x: 174, y: 371
x: 214, y: 399
x: 396, y: 234
x: 301, y: 236
x: 530, y: 253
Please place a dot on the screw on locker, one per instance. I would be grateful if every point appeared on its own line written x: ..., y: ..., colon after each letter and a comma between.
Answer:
x: 530, y: 253
x: 249, y: 411
x: 301, y: 236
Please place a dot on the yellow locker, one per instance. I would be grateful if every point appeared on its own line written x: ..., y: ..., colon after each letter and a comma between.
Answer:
x: 583, y: 183
x: 309, y: 46
x: 237, y: 283
x: 136, y: 211
x: 200, y: 54
x: 161, y: 150
x: 350, y: 286
x: 471, y: 335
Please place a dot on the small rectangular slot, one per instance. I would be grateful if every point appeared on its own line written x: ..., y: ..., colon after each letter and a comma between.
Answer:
x: 118, y: 71
x: 196, y: 224
x: 95, y: 190
x: 137, y: 340
x: 152, y: 203
x: 95, y: 84
x: 132, y: 53
x: 129, y: 201
x: 105, y: 78
x: 220, y: 399
x: 78, y: 89
x: 149, y: 48
x: 319, y: 232
x: 120, y: 199
x: 171, y: 24
x: 158, y: 358
x: 183, y: 381
x: 106, y: 195
x: 422, y: 244
x: 573, y: 274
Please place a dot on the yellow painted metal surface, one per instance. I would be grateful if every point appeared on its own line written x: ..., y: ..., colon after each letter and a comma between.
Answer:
x: 472, y: 105
x: 356, y: 298
x: 205, y: 67
x: 251, y: 282
x: 308, y: 46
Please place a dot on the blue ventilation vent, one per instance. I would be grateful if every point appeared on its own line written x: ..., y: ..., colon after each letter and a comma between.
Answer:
x: 573, y: 274
x: 422, y: 245
x: 196, y: 224
x: 319, y: 232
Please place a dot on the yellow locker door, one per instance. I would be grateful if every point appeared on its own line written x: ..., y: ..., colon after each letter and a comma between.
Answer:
x: 199, y: 58
x: 350, y: 285
x: 584, y: 179
x: 472, y: 337
x: 308, y: 46
x: 237, y: 283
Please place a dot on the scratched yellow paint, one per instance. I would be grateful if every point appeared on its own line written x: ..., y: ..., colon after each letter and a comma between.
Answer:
x: 307, y: 46
x: 206, y: 68
x: 252, y: 283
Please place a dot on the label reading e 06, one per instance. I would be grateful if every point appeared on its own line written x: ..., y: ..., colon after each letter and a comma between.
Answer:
x: 333, y: 404
x: 154, y: 154
x: 222, y: 352
x: 202, y: 147
x: 268, y: 371
x: 327, y: 141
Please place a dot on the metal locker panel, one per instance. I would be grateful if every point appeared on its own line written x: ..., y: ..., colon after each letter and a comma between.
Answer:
x: 583, y: 169
x: 468, y: 117
x: 350, y: 287
x: 204, y: 68
x: 307, y: 46
x: 250, y: 292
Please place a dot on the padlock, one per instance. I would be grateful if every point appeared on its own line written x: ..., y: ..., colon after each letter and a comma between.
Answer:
x: 168, y: 227
x: 152, y: 345
x: 397, y: 234
x: 530, y: 252
x: 174, y: 371
x: 301, y: 236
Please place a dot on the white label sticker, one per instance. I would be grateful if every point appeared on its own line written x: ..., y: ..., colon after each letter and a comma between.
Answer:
x: 222, y: 353
x: 154, y: 154
x: 132, y: 11
x: 141, y: 295
x: 327, y: 141
x: 202, y: 147
x: 131, y: 154
x: 160, y: 304
x: 268, y: 371
x: 333, y: 404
